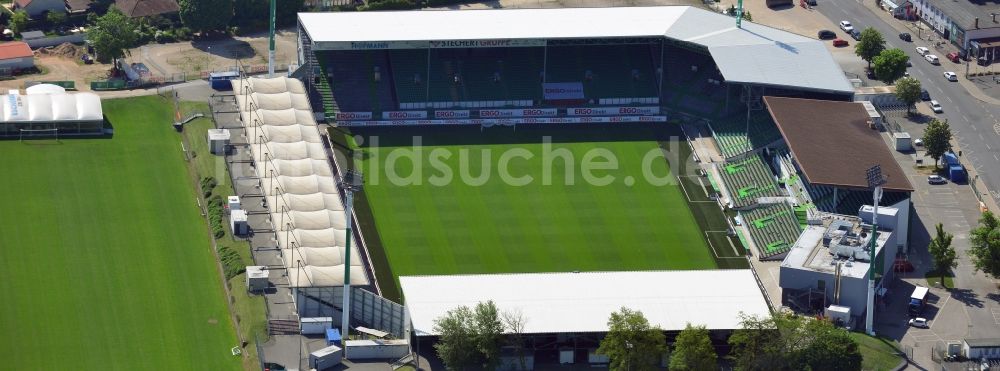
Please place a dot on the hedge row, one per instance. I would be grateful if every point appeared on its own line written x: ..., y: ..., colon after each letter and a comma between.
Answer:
x: 406, y: 4
x: 207, y: 185
x: 232, y: 262
x: 215, y: 216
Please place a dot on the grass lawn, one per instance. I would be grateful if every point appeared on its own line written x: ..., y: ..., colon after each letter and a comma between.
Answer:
x: 879, y: 353
x: 249, y: 308
x: 934, y: 279
x: 106, y: 259
x: 496, y: 227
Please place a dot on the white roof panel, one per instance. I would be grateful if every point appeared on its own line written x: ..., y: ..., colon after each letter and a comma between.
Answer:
x: 485, y: 24
x: 582, y: 302
x: 753, y: 54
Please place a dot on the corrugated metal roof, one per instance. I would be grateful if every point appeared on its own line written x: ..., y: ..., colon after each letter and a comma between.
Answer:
x: 755, y: 54
x: 582, y: 302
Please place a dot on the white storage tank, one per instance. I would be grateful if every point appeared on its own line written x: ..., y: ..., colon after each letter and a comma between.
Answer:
x: 325, y: 358
x: 218, y: 141
x: 257, y: 278
x: 238, y: 223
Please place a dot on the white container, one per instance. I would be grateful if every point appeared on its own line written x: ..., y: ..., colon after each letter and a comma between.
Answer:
x: 316, y: 325
x: 233, y: 203
x: 218, y: 139
x: 325, y: 358
x: 238, y: 223
x: 376, y: 349
x: 257, y: 278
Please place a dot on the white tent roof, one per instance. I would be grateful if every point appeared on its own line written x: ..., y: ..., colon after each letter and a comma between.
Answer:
x: 50, y: 103
x: 297, y: 180
x: 754, y: 54
x: 582, y: 302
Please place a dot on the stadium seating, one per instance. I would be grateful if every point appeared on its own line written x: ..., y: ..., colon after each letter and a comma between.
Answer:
x: 749, y: 179
x: 773, y: 228
x: 733, y: 138
x: 351, y: 75
x: 686, y: 85
x: 610, y: 68
x: 477, y: 69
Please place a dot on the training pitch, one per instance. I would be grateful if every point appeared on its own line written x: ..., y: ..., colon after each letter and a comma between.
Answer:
x: 494, y: 226
x: 106, y: 260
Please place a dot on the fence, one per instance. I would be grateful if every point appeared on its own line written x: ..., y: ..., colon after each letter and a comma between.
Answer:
x: 367, y: 308
x: 68, y: 85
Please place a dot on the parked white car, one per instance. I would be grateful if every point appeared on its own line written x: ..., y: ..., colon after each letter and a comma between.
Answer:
x: 919, y: 142
x: 951, y: 76
x: 919, y: 322
x: 846, y: 26
x: 935, y: 106
x: 922, y: 50
x: 932, y: 58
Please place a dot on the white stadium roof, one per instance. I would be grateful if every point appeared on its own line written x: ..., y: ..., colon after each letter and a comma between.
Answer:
x: 755, y: 54
x: 582, y: 302
x: 298, y: 183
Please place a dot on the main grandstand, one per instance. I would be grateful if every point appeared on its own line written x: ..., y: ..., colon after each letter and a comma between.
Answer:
x: 560, y: 66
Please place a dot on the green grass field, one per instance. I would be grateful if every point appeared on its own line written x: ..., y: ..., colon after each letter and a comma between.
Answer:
x: 106, y: 260
x: 499, y: 227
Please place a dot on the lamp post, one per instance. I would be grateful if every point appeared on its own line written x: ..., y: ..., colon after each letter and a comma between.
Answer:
x: 350, y: 182
x: 875, y: 182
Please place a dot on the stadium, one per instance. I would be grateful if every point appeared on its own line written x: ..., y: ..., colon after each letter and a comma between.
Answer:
x: 680, y: 81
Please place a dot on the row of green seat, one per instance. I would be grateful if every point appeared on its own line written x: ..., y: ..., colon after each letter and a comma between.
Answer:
x: 773, y: 228
x: 749, y: 179
x: 736, y: 136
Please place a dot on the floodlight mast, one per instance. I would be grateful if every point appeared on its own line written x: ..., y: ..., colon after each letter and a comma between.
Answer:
x: 875, y: 182
x: 270, y: 50
x: 739, y: 14
x: 350, y: 182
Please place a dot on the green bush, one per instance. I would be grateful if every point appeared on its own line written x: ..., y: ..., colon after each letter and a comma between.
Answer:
x: 232, y: 262
x: 183, y: 33
x: 215, y: 216
x: 437, y: 3
x: 207, y: 185
x: 388, y: 5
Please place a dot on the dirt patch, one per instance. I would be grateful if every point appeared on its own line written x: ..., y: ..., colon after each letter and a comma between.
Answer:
x: 191, y: 60
x: 66, y: 50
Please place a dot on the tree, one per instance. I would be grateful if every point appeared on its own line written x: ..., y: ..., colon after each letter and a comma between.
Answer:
x: 942, y: 252
x: 470, y: 338
x: 111, y: 35
x: 985, y: 250
x: 631, y: 343
x: 908, y: 91
x: 18, y: 21
x: 206, y: 15
x: 890, y: 65
x: 514, y: 321
x: 828, y: 348
x: 785, y: 341
x: 56, y: 18
x: 870, y: 45
x: 456, y: 346
x: 937, y: 139
x: 693, y: 350
x: 488, y: 332
x: 757, y: 344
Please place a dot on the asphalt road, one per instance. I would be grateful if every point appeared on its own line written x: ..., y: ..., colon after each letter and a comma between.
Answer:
x: 974, y: 123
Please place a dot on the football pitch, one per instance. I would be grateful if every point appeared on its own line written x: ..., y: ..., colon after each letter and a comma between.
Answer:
x: 559, y: 221
x: 106, y: 260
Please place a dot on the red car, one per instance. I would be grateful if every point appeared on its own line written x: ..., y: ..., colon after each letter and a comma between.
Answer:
x: 840, y: 43
x: 953, y: 56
